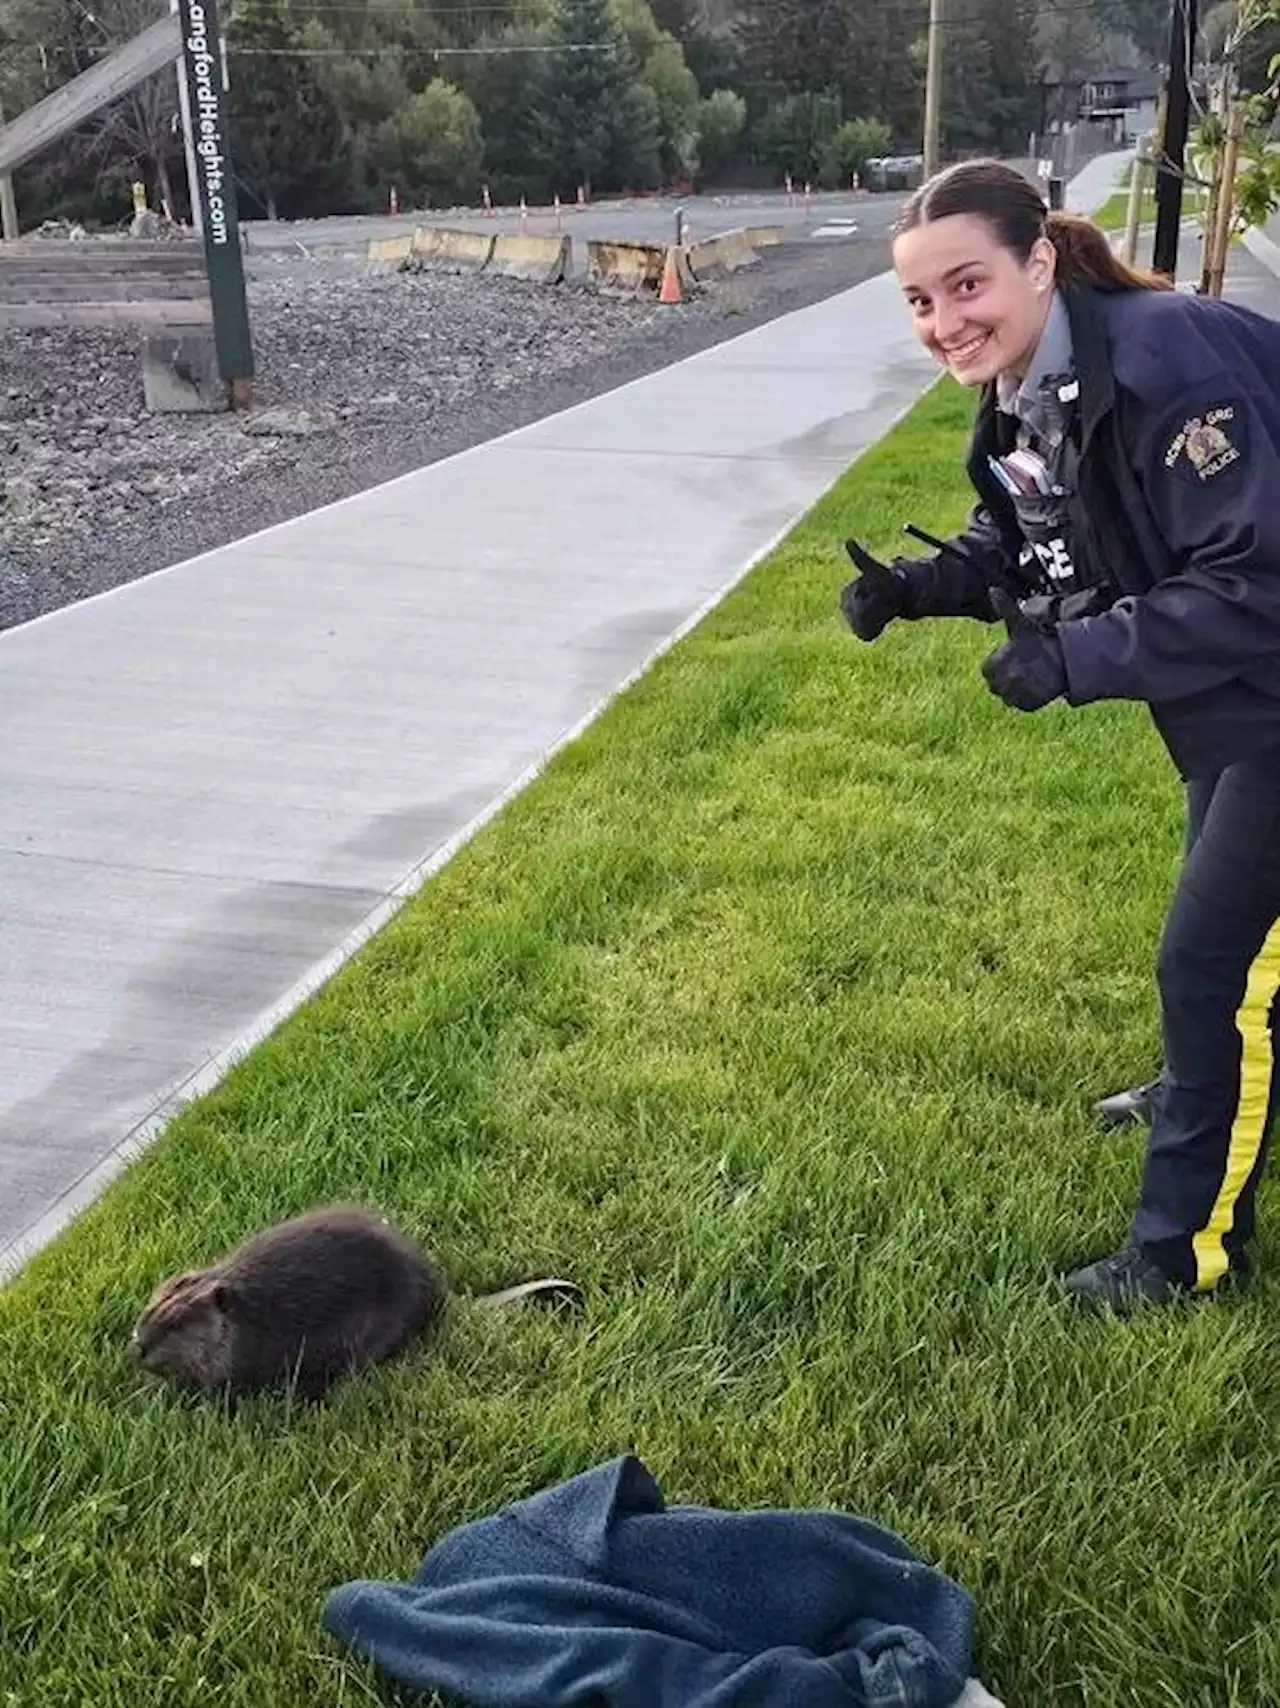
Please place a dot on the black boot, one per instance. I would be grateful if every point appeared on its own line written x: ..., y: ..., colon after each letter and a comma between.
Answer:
x: 1130, y: 1278
x: 1120, y: 1283
x: 1126, y: 1108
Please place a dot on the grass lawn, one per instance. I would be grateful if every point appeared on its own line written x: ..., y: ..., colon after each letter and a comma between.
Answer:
x: 771, y: 1012
x: 1113, y: 215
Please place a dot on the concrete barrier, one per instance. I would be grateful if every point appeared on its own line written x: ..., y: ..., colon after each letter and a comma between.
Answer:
x: 451, y: 251
x: 545, y: 260
x: 625, y: 268
x: 764, y: 236
x: 728, y: 252
x: 390, y: 248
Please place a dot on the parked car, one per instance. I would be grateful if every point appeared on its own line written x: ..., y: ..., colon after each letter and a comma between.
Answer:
x: 893, y: 172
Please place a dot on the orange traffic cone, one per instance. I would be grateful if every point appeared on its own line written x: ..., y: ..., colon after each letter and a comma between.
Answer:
x: 671, y: 292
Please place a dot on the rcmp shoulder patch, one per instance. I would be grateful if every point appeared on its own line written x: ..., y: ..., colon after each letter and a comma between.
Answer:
x: 1208, y: 444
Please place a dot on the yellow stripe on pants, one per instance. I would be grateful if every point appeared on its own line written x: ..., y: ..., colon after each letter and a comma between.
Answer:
x: 1249, y: 1127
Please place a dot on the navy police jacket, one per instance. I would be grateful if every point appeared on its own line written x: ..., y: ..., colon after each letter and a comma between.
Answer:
x: 1176, y: 513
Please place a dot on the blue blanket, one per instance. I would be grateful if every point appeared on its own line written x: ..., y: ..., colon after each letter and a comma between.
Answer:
x: 595, y: 1592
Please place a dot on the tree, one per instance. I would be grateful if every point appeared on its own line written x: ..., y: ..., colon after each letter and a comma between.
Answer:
x: 795, y: 134
x: 678, y: 101
x: 432, y: 147
x: 796, y: 46
x: 856, y: 142
x: 990, y: 102
x: 1145, y: 23
x: 137, y: 135
x: 663, y: 67
x: 505, y: 88
x: 857, y: 51
x: 287, y: 138
x: 1242, y: 39
x: 722, y: 119
x: 327, y: 93
x: 134, y: 138
x: 1068, y: 46
x: 634, y: 158
x: 573, y: 116
x: 591, y: 126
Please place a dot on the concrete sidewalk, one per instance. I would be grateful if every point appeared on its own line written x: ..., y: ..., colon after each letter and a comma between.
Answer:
x: 1253, y: 269
x: 218, y: 781
x: 1252, y: 280
x: 215, y: 781
x: 1095, y: 183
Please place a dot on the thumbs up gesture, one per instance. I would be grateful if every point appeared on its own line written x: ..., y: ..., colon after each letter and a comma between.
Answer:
x: 1028, y: 671
x: 878, y: 595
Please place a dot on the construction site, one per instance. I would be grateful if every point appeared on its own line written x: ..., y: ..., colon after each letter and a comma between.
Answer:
x: 278, y: 365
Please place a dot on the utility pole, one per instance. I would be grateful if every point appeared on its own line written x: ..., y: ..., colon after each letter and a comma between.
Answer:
x: 8, y: 205
x: 932, y: 79
x: 1173, y: 138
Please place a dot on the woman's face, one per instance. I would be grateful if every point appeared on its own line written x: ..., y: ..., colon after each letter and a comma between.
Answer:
x: 977, y: 308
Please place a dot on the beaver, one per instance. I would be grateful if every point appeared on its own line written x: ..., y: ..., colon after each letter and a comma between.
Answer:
x: 307, y: 1301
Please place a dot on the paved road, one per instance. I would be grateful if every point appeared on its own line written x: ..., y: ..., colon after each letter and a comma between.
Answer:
x: 824, y: 218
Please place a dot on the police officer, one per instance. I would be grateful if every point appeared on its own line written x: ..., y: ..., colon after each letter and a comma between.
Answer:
x: 1126, y: 460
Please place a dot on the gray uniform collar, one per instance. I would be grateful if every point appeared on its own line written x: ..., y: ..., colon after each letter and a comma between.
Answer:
x: 1054, y: 356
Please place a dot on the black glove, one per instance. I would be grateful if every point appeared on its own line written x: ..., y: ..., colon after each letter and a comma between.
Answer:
x: 1028, y: 670
x: 880, y: 594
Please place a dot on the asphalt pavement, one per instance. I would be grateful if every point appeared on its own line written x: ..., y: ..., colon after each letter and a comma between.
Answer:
x: 823, y: 217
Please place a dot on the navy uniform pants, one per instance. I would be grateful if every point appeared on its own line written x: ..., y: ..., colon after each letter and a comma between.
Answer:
x: 1218, y: 973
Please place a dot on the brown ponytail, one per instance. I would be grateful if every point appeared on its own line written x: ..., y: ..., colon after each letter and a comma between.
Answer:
x: 1086, y: 258
x: 1016, y: 213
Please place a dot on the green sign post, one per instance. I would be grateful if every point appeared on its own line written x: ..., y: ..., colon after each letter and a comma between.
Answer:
x: 202, y: 68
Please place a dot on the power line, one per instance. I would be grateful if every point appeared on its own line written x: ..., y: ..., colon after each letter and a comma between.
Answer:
x: 427, y: 52
x: 513, y: 8
x: 86, y: 51
x: 972, y: 20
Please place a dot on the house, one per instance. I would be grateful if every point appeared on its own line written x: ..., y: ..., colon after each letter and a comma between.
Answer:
x: 1124, y: 101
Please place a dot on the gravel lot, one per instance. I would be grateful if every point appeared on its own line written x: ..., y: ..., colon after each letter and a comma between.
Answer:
x: 362, y: 375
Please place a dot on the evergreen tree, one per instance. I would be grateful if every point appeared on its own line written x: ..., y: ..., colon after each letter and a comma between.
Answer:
x: 587, y: 111
x: 795, y: 135
x: 634, y: 158
x: 432, y: 148
x: 721, y: 122
x: 286, y: 134
x: 858, y: 50
x: 664, y: 68
x: 505, y: 89
x: 990, y: 100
